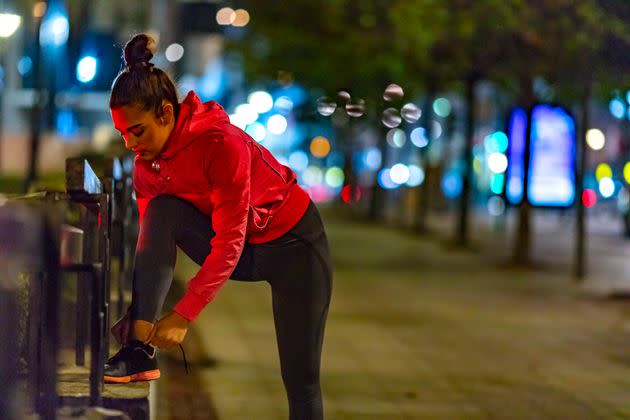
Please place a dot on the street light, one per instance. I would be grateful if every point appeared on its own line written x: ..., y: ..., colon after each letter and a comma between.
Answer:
x: 9, y: 23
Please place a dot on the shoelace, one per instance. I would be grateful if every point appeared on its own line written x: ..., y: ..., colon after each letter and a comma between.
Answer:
x: 184, y: 356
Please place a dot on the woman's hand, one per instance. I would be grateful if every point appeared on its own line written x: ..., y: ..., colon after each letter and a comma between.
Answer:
x: 122, y: 328
x: 168, y: 331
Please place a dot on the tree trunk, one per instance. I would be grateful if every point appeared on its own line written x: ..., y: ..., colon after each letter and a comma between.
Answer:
x: 523, y: 229
x: 36, y: 112
x: 580, y: 260
x: 424, y: 198
x: 464, y: 202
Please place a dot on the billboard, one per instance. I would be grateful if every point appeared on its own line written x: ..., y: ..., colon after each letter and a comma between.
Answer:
x: 552, y: 159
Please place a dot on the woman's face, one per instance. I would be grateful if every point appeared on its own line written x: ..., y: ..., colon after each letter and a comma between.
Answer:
x: 142, y: 131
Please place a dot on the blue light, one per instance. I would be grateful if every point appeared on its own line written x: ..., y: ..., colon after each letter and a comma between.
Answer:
x: 452, y: 184
x: 416, y: 176
x: 66, y: 123
x: 385, y: 181
x: 24, y: 65
x: 617, y: 108
x: 298, y: 161
x: 86, y: 69
x: 54, y: 30
x: 373, y: 158
x: 419, y: 137
x: 552, y: 160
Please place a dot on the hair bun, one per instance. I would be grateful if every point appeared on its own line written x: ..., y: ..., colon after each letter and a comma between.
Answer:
x: 139, y: 51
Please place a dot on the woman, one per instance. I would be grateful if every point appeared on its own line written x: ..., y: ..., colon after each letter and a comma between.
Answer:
x: 206, y: 186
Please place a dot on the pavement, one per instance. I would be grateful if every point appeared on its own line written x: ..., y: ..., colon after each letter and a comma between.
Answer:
x: 419, y: 329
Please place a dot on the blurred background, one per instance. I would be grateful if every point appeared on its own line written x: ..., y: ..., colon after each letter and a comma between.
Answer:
x: 397, y: 108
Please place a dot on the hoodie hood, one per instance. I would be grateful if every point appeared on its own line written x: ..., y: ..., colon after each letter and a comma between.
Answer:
x: 195, y: 119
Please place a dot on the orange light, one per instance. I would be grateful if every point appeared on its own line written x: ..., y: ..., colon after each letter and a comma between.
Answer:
x: 241, y: 17
x: 320, y: 147
x: 39, y: 9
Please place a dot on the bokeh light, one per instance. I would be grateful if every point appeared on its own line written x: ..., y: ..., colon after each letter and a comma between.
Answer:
x: 396, y: 138
x: 373, y: 158
x: 497, y: 162
x: 393, y: 92
x: 442, y: 107
x: 436, y: 130
x: 247, y: 113
x: 385, y: 180
x: 241, y: 17
x: 419, y: 137
x: 589, y: 198
x: 496, y: 142
x: 320, y: 147
x: 452, y: 184
x: 55, y: 30
x: 606, y: 187
x: 497, y: 183
x: 277, y: 124
x: 617, y: 108
x: 416, y: 176
x: 595, y: 139
x: 626, y: 172
x: 298, y: 161
x: 312, y: 176
x: 24, y: 65
x: 496, y: 206
x: 391, y: 118
x: 326, y: 106
x: 344, y: 96
x: 261, y: 101
x: 257, y: 131
x: 86, y: 69
x: 238, y: 120
x: 410, y: 113
x: 8, y: 24
x: 39, y: 9
x: 174, y: 52
x: 399, y: 173
x: 334, y: 177
x: 345, y: 194
x: 603, y: 170
x: 355, y: 108
x: 226, y: 16
x: 284, y: 104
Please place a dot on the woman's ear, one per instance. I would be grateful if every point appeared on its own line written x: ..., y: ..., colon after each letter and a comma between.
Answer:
x: 168, y: 115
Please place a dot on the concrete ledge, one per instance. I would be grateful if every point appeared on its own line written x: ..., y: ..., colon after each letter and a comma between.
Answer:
x: 73, y: 388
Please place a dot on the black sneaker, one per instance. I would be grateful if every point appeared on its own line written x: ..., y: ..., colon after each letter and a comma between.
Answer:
x: 134, y: 362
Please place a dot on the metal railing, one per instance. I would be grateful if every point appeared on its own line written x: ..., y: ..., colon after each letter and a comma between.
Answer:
x: 84, y: 248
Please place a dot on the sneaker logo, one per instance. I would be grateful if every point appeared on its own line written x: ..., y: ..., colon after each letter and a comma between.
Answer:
x: 150, y: 356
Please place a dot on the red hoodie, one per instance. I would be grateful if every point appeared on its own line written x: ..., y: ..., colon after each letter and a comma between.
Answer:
x: 227, y: 175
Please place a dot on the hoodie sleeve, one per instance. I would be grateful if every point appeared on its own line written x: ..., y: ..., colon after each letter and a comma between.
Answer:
x: 229, y: 174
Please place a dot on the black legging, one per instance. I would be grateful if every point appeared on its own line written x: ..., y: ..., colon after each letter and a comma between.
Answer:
x: 296, y: 265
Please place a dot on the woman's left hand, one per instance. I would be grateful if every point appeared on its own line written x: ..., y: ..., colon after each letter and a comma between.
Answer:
x: 168, y: 331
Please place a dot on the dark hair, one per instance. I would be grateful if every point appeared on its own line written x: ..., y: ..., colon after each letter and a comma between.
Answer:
x: 140, y: 83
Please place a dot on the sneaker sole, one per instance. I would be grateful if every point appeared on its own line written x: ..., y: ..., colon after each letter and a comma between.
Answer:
x: 148, y: 375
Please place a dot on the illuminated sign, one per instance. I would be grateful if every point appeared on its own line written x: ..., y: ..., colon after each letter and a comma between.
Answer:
x: 552, y: 160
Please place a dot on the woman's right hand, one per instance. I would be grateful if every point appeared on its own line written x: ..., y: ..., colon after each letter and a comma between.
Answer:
x: 122, y: 328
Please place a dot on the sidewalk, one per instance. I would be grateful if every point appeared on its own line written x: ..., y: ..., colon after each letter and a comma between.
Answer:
x: 418, y: 331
